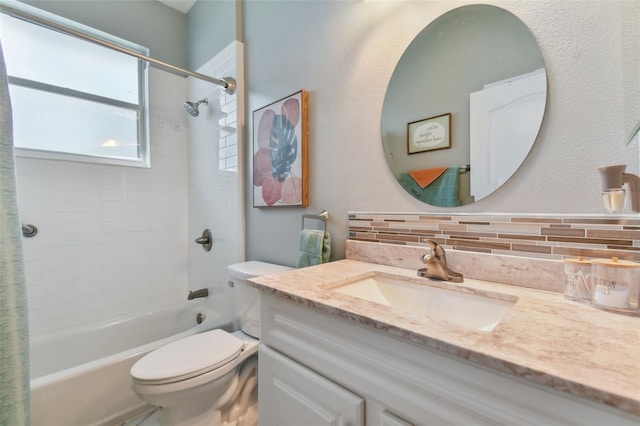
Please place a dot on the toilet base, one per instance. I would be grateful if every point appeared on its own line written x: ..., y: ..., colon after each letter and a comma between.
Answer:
x: 173, y: 417
x: 184, y: 417
x: 249, y: 418
x: 238, y: 406
x: 200, y: 412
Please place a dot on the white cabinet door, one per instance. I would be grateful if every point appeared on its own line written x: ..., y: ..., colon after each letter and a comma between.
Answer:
x: 388, y: 419
x: 292, y: 395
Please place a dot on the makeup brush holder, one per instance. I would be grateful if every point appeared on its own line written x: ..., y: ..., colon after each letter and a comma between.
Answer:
x: 616, y: 285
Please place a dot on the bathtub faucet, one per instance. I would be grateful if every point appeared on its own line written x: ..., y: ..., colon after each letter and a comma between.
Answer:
x: 203, y: 292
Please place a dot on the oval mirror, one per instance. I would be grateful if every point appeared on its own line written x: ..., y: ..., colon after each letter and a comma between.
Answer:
x: 464, y: 106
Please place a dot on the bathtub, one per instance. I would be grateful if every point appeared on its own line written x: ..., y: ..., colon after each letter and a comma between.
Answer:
x: 80, y: 376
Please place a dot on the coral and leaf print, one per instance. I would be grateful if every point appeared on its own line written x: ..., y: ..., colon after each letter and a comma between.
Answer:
x: 284, y: 147
x: 279, y: 160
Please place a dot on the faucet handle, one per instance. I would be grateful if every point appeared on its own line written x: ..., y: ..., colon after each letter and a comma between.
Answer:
x: 437, y: 251
x: 426, y: 258
x: 206, y: 240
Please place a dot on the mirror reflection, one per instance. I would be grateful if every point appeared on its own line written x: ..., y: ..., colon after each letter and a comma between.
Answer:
x: 464, y: 106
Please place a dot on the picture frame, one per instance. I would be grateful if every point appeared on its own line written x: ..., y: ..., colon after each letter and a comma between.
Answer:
x: 429, y: 134
x: 280, y: 133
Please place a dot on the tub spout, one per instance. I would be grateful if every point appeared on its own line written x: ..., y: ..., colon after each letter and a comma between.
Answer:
x: 203, y: 292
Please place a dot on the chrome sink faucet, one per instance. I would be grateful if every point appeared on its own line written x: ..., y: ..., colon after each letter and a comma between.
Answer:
x: 436, y: 262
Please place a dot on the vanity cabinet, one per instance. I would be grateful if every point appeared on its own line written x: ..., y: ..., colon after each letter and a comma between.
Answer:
x: 317, y: 368
x: 291, y: 394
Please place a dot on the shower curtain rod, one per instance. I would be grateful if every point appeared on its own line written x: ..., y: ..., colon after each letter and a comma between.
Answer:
x: 228, y: 83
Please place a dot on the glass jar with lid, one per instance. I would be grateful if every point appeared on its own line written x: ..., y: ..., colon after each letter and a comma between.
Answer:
x: 616, y: 285
x: 577, y: 274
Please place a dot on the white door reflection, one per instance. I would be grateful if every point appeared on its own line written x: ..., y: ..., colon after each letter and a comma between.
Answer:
x: 502, y: 116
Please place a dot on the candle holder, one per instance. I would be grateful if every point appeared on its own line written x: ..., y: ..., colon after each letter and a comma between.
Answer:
x: 616, y: 285
x: 613, y: 178
x: 613, y: 200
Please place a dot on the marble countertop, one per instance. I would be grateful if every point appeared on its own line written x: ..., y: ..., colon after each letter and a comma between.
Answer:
x: 544, y: 338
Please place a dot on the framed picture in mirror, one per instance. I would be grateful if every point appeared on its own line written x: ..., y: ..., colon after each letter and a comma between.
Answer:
x: 429, y: 134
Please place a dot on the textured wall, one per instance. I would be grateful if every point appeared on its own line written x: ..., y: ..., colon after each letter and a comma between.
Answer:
x: 211, y: 26
x: 344, y: 54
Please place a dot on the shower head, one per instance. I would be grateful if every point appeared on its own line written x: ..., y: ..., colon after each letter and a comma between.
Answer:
x: 192, y: 107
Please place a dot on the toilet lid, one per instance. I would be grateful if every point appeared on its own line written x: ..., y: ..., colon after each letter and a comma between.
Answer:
x: 188, y: 357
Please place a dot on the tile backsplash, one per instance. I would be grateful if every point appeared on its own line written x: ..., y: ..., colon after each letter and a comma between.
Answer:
x: 526, y: 235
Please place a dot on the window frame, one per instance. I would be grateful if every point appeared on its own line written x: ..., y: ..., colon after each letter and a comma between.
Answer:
x: 141, y: 108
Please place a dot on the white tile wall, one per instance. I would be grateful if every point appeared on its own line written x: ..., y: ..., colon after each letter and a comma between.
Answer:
x: 215, y: 186
x: 112, y: 240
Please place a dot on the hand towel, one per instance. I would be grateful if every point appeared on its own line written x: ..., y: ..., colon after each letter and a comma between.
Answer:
x: 425, y: 177
x: 314, y: 248
x: 443, y: 192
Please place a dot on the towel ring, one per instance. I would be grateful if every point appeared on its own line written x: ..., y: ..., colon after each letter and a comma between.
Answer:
x: 322, y: 216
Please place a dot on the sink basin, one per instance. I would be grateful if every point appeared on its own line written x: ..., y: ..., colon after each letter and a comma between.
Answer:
x: 457, y: 307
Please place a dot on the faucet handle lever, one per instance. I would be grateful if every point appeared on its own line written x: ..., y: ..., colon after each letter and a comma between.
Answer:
x: 437, y: 251
x: 427, y: 258
x: 206, y: 240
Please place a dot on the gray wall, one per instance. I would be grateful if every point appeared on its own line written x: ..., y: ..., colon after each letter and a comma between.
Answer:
x: 211, y: 26
x: 146, y: 22
x: 344, y: 52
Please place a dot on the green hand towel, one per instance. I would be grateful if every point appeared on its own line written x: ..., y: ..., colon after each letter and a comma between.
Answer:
x: 443, y: 192
x: 314, y: 248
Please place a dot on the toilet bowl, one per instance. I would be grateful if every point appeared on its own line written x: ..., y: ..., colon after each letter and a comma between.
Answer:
x: 209, y: 378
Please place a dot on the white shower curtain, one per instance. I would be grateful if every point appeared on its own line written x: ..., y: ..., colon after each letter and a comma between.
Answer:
x: 14, y: 331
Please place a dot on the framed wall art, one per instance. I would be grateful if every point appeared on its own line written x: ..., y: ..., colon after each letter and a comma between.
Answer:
x: 280, y: 153
x: 429, y: 134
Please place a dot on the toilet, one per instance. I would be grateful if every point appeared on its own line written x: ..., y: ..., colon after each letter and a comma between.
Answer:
x: 209, y: 378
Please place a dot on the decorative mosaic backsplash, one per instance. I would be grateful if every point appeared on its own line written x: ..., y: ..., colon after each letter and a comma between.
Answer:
x: 541, y: 236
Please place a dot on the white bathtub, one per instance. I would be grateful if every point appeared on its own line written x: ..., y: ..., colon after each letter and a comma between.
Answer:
x: 80, y: 376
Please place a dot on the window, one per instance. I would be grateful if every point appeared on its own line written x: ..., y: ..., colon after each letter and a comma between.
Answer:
x: 74, y: 99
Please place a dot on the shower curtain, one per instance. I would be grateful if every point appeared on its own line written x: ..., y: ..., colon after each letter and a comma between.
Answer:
x: 14, y: 332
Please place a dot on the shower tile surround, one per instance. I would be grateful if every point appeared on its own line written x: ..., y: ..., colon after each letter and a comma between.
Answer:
x: 215, y: 184
x: 115, y: 240
x: 111, y: 239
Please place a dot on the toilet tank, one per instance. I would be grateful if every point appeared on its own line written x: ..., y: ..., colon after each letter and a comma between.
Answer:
x: 247, y: 298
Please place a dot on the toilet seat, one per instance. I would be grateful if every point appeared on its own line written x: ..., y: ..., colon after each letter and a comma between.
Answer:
x: 187, y: 358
